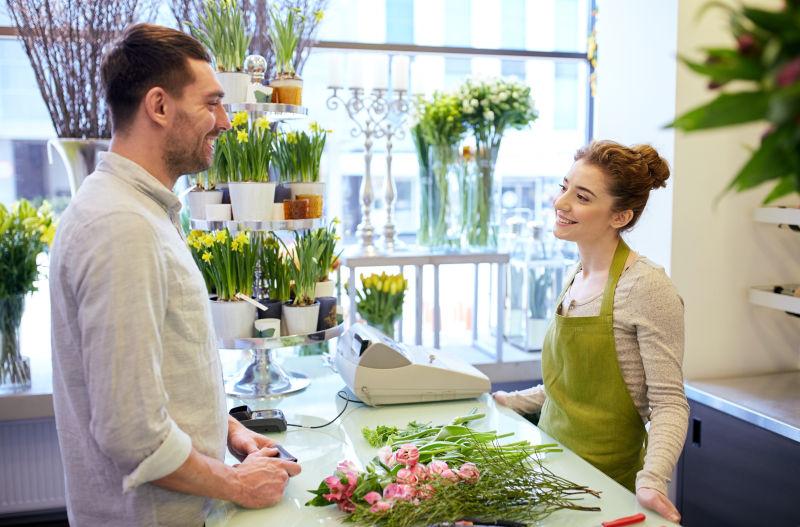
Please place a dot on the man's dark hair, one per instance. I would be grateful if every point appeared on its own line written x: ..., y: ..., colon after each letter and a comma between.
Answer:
x: 144, y: 57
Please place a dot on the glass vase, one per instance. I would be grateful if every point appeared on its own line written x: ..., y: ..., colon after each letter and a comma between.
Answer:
x: 444, y: 230
x: 15, y: 371
x: 425, y: 191
x: 484, y: 223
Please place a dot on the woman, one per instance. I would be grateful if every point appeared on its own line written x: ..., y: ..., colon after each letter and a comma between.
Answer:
x: 612, y: 356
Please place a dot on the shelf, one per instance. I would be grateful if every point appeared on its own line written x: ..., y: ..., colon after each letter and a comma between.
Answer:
x: 763, y: 296
x: 282, y: 342
x: 279, y: 225
x: 778, y: 215
x: 272, y: 111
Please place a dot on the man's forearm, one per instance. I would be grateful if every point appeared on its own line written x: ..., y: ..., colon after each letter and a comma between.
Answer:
x: 201, y: 475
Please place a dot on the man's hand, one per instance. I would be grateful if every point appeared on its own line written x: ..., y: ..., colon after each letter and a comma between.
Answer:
x: 501, y: 398
x: 242, y: 441
x: 261, y: 479
x: 654, y: 500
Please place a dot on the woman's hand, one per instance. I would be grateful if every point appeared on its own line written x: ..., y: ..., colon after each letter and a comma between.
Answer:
x: 501, y: 397
x: 654, y: 500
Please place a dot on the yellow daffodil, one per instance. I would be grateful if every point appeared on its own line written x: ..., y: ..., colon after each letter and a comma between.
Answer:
x: 241, y: 136
x: 291, y: 137
x: 262, y: 123
x: 239, y: 119
x: 315, y: 127
x: 318, y: 16
x: 49, y: 234
x: 208, y: 240
x: 221, y: 236
x: 207, y: 256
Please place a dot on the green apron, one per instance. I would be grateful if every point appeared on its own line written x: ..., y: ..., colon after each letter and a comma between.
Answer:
x: 588, y: 407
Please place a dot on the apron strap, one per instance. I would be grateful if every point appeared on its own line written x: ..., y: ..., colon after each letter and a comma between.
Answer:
x: 617, y: 265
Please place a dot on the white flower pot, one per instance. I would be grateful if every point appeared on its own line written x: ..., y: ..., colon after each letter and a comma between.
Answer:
x: 307, y: 188
x: 197, y: 200
x: 326, y: 288
x: 252, y: 201
x: 235, y: 85
x: 233, y: 319
x: 218, y: 212
x: 300, y: 320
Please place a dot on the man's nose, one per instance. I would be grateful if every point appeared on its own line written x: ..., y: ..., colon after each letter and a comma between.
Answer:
x: 222, y: 119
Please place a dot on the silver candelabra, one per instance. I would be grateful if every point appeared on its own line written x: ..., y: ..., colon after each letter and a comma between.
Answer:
x: 381, y: 113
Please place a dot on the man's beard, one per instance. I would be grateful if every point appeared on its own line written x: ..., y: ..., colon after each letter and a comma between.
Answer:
x: 184, y: 154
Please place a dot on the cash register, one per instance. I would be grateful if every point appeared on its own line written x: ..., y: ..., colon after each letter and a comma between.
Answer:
x: 380, y: 371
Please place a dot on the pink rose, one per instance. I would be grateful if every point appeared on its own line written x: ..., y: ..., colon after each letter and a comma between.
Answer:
x: 420, y: 471
x: 437, y: 467
x: 469, y: 472
x: 408, y: 455
x: 372, y: 497
x: 406, y: 477
x: 450, y: 475
x: 398, y: 492
x: 381, y: 506
x: 387, y: 457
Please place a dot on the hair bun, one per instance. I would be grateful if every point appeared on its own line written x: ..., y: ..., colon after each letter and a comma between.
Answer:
x: 657, y: 167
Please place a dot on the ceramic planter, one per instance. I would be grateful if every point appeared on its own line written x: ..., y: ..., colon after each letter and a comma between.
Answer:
x: 197, y: 200
x: 233, y: 319
x: 218, y: 212
x: 235, y: 85
x: 326, y: 288
x: 287, y: 90
x: 79, y: 157
x: 327, y: 313
x: 252, y: 201
x: 317, y: 189
x: 300, y: 320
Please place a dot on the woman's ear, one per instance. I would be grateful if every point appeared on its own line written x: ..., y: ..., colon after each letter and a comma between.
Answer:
x: 621, y: 219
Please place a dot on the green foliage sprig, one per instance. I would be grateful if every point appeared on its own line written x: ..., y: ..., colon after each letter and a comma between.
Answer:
x: 287, y: 26
x: 328, y: 257
x: 25, y: 231
x: 766, y: 63
x: 221, y: 29
x: 304, y: 268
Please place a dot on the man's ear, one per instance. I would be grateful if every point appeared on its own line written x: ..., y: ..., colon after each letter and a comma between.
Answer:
x: 155, y: 106
x: 621, y: 219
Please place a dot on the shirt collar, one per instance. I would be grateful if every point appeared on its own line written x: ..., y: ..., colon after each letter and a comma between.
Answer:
x: 140, y: 179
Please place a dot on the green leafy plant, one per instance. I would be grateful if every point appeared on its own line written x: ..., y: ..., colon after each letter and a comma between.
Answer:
x: 221, y: 29
x: 304, y: 268
x: 765, y: 62
x: 228, y: 263
x: 245, y: 151
x: 274, y: 265
x: 287, y: 26
x: 327, y: 238
x: 298, y: 155
x: 25, y: 232
x: 421, y: 146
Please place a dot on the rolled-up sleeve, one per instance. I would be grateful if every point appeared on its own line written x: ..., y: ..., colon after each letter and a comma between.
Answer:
x: 120, y: 284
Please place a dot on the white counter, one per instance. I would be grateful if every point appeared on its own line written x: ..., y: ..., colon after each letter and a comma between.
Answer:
x: 318, y: 452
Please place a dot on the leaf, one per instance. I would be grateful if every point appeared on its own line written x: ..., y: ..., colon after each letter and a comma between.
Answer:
x: 785, y: 186
x: 727, y: 109
x: 777, y: 22
x: 769, y: 161
x: 733, y: 68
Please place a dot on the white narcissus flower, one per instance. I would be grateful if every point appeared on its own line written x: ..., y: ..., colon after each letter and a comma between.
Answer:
x: 488, y: 115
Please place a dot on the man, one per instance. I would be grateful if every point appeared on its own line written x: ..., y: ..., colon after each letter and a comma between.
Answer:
x: 137, y: 382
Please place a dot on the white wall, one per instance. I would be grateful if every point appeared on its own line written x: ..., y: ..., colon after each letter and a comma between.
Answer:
x: 717, y: 253
x: 635, y: 99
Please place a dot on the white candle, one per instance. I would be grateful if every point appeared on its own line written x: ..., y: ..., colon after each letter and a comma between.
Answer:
x: 400, y: 72
x: 380, y: 73
x: 355, y: 71
x: 335, y: 70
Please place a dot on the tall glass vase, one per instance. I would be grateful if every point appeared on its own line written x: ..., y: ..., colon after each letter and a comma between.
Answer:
x: 425, y: 191
x: 444, y: 230
x: 15, y: 371
x: 485, y: 198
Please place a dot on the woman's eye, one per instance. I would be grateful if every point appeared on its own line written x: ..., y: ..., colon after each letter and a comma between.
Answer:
x: 582, y: 197
x: 562, y: 187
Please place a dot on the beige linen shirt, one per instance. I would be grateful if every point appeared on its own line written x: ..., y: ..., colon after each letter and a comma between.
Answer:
x: 137, y: 380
